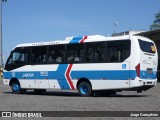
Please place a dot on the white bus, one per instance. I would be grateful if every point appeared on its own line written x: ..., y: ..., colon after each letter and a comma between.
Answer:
x: 87, y: 63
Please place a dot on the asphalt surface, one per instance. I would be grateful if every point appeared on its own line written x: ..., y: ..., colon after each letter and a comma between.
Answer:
x: 71, y: 101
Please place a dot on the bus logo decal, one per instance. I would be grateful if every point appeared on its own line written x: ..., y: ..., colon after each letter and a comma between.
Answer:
x: 28, y: 75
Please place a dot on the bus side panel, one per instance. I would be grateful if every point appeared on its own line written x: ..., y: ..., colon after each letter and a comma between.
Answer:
x: 37, y: 84
x: 28, y: 84
x: 31, y: 76
x: 109, y: 84
x: 103, y: 75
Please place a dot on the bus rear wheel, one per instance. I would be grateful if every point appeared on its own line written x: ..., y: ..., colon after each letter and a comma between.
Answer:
x: 16, y: 89
x: 85, y: 89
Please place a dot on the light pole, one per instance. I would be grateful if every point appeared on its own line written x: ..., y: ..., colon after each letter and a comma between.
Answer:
x: 1, y: 43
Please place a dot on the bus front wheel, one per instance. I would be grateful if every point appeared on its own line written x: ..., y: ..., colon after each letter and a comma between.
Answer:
x: 85, y: 89
x: 16, y: 89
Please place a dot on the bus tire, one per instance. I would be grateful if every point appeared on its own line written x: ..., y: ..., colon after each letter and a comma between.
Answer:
x: 16, y: 89
x: 84, y: 89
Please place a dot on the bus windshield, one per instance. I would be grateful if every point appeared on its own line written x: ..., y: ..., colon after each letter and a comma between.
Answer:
x: 147, y: 46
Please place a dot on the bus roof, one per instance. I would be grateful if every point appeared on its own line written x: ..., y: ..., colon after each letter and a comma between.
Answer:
x: 77, y: 39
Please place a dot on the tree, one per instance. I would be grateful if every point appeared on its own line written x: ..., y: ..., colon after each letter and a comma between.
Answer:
x: 156, y: 22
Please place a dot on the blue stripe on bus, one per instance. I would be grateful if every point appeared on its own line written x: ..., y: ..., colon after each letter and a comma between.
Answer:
x: 146, y: 75
x: 76, y: 39
x: 60, y: 74
x: 96, y: 75
x: 108, y: 75
x: 111, y: 75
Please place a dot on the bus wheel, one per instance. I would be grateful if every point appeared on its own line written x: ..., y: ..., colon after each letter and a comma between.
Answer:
x: 84, y: 89
x: 16, y: 88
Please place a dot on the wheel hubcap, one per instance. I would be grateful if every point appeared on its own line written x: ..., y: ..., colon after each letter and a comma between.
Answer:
x: 15, y: 87
x: 84, y: 89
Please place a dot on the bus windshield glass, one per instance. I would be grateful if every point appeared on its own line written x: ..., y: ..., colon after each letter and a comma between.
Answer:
x: 147, y: 46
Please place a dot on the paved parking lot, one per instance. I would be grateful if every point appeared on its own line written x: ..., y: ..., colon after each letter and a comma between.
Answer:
x: 71, y: 101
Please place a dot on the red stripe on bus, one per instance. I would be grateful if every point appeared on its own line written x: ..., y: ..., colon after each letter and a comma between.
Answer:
x: 85, y: 37
x: 68, y: 76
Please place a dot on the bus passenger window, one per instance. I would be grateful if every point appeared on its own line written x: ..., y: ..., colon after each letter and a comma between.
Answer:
x: 89, y: 54
x: 56, y: 54
x: 95, y: 52
x: 118, y: 51
x: 74, y: 53
x: 52, y: 56
x: 39, y: 55
x: 60, y: 55
x: 59, y: 60
x: 99, y: 52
